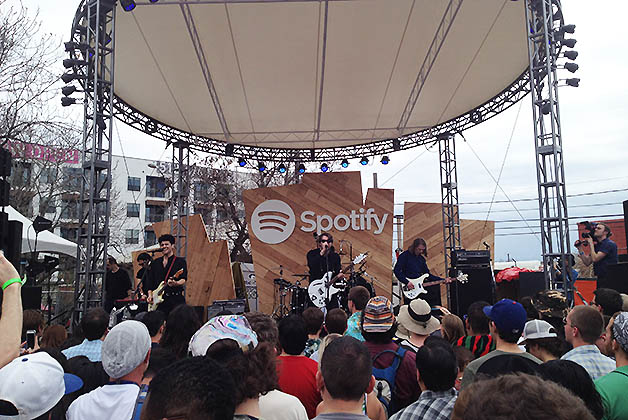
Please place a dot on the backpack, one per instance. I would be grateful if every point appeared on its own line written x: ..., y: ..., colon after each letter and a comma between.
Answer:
x: 385, y: 379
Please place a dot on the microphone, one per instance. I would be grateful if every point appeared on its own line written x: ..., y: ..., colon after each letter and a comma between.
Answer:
x: 486, y: 245
x: 152, y: 251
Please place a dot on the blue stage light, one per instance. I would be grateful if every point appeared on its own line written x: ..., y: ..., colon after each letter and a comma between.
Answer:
x: 345, y: 163
x: 282, y: 168
x: 301, y: 168
x: 364, y: 161
x: 127, y: 5
x: 261, y: 167
x: 385, y: 160
x: 324, y: 167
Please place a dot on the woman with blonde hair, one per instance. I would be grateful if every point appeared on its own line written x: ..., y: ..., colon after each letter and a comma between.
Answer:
x: 451, y: 328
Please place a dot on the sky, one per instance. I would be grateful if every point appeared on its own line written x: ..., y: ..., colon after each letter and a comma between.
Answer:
x: 594, y: 128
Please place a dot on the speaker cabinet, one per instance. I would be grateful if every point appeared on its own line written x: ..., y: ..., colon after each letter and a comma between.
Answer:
x: 480, y: 286
x: 234, y: 307
x: 617, y: 278
x: 530, y: 283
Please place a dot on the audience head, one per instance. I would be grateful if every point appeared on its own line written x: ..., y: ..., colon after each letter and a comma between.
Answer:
x: 313, y: 318
x: 325, y: 342
x: 345, y: 369
x: 159, y: 359
x: 292, y: 335
x: 451, y: 328
x: 94, y: 323
x: 528, y: 305
x: 378, y: 320
x: 265, y: 327
x: 54, y: 336
x: 416, y: 318
x: 233, y: 327
x: 477, y: 321
x: 155, y: 322
x: 541, y: 340
x: 194, y: 388
x: 181, y: 325
x: 125, y: 349
x: 464, y: 356
x: 508, y: 318
x: 91, y: 373
x: 619, y: 334
x: 358, y: 297
x: 336, y: 321
x: 518, y: 397
x: 583, y: 325
x: 576, y: 379
x: 607, y: 301
x: 436, y: 364
x: 32, y: 319
x: 624, y: 305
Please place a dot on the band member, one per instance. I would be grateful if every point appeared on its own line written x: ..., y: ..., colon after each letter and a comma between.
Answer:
x: 323, y: 259
x: 117, y: 285
x: 164, y: 269
x: 144, y: 260
x: 412, y: 264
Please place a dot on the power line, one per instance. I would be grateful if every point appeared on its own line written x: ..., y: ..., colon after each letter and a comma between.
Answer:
x: 536, y: 199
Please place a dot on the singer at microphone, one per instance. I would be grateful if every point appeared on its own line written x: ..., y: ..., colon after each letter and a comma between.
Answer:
x: 324, y: 258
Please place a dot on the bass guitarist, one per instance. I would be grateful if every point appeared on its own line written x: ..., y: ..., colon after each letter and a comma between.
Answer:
x: 163, y: 269
x: 412, y: 264
x: 323, y: 259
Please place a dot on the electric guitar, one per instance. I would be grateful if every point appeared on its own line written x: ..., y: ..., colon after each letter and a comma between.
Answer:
x: 419, y: 286
x: 158, y: 293
x: 318, y: 289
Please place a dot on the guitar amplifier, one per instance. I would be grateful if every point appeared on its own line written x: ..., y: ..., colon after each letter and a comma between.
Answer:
x: 463, y: 259
x: 233, y: 306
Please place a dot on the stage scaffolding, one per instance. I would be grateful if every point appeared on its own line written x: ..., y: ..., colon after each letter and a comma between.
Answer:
x: 449, y: 197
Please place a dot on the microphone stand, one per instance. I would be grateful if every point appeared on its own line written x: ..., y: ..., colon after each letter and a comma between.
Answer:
x: 327, y: 286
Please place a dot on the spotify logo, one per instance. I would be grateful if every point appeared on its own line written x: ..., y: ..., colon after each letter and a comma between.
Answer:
x: 273, y: 221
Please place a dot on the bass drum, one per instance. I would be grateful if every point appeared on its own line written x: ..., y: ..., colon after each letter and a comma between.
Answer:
x: 299, y: 300
x: 361, y: 281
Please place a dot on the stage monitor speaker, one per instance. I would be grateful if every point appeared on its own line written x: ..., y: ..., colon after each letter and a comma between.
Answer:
x: 530, y: 283
x: 31, y: 297
x: 478, y: 287
x: 234, y: 307
x: 617, y: 278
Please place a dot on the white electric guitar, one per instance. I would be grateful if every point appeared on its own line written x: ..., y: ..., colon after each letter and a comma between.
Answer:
x: 318, y: 289
x: 419, y: 286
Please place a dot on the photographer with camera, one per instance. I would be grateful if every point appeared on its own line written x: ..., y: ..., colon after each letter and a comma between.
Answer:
x: 603, y: 250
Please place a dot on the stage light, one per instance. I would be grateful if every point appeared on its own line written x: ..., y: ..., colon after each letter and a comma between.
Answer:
x: 546, y: 107
x: 127, y: 5
x: 396, y: 145
x: 261, y: 167
x: 282, y: 168
x: 301, y: 168
x: 344, y: 163
x: 385, y: 160
x: 324, y: 167
x: 70, y: 62
x: 364, y: 161
x: 150, y: 126
x: 570, y: 29
x: 68, y: 77
x: 571, y: 67
x: 569, y: 42
x: 229, y: 149
x: 154, y: 1
x: 71, y: 46
x: 65, y: 101
x: 572, y: 55
x: 68, y: 90
x: 575, y: 82
x: 241, y: 162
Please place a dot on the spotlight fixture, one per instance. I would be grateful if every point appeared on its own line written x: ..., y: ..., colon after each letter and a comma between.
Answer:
x: 261, y: 167
x: 301, y: 168
x: 570, y: 29
x: 572, y: 55
x: 229, y: 149
x: 344, y: 163
x: 68, y: 77
x: 127, y: 5
x: 569, y: 42
x: 475, y: 117
x: 364, y: 160
x: 68, y: 90
x: 575, y: 82
x: 71, y: 46
x: 282, y: 168
x: 385, y: 160
x: 324, y: 167
x: 546, y: 107
x: 154, y: 1
x: 396, y: 145
x: 241, y: 162
x: 571, y: 67
x: 65, y: 101
x: 150, y: 126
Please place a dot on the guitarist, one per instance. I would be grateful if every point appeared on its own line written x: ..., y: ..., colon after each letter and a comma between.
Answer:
x: 163, y: 269
x: 323, y: 259
x: 412, y: 264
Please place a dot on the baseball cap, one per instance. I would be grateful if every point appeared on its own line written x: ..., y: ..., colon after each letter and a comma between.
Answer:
x: 508, y: 315
x: 234, y: 327
x: 620, y: 330
x: 536, y: 329
x: 32, y: 385
x: 125, y: 348
x: 378, y: 315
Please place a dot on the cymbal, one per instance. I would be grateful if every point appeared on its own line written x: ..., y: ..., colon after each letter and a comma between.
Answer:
x: 300, y: 275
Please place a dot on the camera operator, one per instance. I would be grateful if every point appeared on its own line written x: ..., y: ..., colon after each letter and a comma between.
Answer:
x: 603, y: 250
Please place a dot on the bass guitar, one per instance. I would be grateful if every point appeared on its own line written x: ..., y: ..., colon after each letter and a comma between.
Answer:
x: 419, y: 286
x: 158, y: 293
x: 324, y: 287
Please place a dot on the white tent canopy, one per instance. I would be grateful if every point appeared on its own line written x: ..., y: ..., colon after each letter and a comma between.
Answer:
x: 46, y: 241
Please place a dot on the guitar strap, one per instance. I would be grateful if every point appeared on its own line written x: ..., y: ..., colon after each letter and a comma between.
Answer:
x: 170, y: 269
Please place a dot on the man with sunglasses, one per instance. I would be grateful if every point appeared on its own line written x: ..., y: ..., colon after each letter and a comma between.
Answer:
x: 324, y: 259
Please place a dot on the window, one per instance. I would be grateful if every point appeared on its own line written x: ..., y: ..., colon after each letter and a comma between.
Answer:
x: 69, y: 208
x: 134, y: 184
x: 150, y: 238
x: 132, y: 236
x: 72, y: 178
x: 221, y: 214
x: 155, y: 213
x: 21, y: 173
x: 155, y: 186
x: 132, y: 210
x: 201, y: 191
x: 48, y: 175
x: 70, y: 234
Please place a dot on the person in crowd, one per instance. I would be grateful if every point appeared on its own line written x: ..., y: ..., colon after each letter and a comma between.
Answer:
x: 172, y: 271
x: 155, y: 321
x: 583, y: 326
x: 324, y: 342
x: 181, y: 325
x: 518, y: 397
x: 528, y: 304
x: 344, y: 378
x: 451, y: 328
x: 507, y: 321
x: 416, y: 318
x: 624, y: 304
x: 378, y: 329
x: 437, y: 370
x: 576, y: 379
x: 463, y: 358
x: 125, y: 356
x: 612, y: 387
x: 32, y: 386
x: 336, y: 321
x: 159, y: 359
x: 94, y: 324
x: 603, y: 251
x: 540, y: 340
x: 117, y: 284
x: 33, y: 319
x: 274, y: 405
x: 607, y: 301
x: 195, y: 388
x: 297, y: 373
x: 603, y: 341
x: 91, y: 373
x: 11, y: 318
x: 313, y: 318
x: 53, y: 337
x: 478, y: 339
x: 356, y: 302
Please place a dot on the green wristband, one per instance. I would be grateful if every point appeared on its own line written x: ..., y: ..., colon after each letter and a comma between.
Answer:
x: 11, y: 281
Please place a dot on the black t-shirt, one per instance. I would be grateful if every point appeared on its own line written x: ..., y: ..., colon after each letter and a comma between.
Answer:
x: 318, y: 265
x: 117, y: 284
x: 608, y: 247
x: 159, y: 273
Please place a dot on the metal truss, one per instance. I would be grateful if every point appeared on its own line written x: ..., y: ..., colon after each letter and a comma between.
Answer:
x: 94, y: 29
x: 544, y: 17
x: 179, y: 204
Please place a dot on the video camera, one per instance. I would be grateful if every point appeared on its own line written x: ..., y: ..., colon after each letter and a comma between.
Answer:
x: 589, y: 228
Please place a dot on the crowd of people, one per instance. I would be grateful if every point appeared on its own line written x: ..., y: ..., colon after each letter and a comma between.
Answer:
x: 377, y: 362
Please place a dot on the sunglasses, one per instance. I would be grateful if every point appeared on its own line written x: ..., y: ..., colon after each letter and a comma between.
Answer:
x: 325, y: 241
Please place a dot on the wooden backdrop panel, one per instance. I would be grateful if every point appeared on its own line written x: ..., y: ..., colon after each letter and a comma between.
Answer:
x: 209, y: 267
x: 331, y: 194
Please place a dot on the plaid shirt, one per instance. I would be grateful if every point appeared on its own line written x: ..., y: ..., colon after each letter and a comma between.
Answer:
x: 431, y: 405
x: 91, y: 349
x: 590, y: 358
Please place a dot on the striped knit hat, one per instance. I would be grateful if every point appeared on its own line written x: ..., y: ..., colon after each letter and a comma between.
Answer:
x: 378, y: 315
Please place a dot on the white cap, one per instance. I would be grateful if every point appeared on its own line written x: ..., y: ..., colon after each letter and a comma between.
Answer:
x: 125, y: 348
x: 536, y: 329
